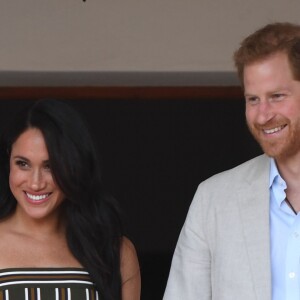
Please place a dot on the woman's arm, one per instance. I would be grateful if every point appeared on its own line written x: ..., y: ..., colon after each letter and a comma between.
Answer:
x: 130, y: 272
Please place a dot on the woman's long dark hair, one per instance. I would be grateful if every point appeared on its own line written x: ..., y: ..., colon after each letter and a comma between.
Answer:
x: 93, y: 226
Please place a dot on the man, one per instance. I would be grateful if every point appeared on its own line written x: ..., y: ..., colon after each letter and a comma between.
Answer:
x: 241, y: 238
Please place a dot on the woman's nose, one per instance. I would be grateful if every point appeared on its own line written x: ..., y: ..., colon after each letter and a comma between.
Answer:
x: 37, y: 180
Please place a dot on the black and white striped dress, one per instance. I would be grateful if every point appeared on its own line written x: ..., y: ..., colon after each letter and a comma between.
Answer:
x: 46, y: 284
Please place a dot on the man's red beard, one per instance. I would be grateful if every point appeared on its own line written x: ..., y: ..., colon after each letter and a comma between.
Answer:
x: 281, y: 147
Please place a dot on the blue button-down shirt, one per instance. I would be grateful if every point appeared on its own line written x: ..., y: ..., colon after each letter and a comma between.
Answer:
x: 285, y: 241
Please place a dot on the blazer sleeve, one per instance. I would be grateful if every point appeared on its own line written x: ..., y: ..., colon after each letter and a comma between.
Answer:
x: 190, y: 274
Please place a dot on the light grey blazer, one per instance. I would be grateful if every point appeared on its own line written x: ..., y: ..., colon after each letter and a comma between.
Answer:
x: 223, y: 250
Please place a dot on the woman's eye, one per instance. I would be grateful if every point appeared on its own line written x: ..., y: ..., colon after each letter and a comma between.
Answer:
x: 47, y: 167
x: 22, y: 164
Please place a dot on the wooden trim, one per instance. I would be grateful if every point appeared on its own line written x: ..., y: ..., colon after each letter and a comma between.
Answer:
x: 118, y: 93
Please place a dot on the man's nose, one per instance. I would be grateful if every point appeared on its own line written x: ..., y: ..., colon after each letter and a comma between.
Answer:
x: 264, y: 113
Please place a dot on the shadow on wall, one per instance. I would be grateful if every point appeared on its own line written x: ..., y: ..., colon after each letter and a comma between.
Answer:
x: 154, y: 155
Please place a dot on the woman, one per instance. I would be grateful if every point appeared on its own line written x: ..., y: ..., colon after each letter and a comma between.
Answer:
x: 61, y: 235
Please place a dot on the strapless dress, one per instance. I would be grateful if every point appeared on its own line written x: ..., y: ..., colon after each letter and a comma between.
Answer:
x: 46, y: 284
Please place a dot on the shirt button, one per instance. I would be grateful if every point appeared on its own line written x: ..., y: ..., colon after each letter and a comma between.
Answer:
x: 292, y: 275
x: 296, y: 235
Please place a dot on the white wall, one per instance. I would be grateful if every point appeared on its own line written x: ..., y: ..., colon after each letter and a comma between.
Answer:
x: 131, y: 35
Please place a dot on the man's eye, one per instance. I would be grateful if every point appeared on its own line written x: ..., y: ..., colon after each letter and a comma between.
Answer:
x: 252, y: 100
x: 278, y: 96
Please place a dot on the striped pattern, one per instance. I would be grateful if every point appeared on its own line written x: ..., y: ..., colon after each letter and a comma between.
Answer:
x: 46, y: 284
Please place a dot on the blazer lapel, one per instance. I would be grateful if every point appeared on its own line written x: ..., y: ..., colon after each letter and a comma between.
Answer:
x: 254, y: 211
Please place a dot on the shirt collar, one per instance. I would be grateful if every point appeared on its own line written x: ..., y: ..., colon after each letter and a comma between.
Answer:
x: 277, y: 183
x: 273, y: 172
